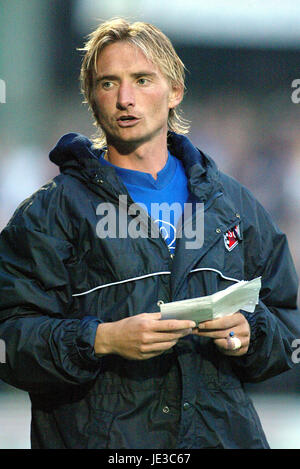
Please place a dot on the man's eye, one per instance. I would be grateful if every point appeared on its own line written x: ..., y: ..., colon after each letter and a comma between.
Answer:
x: 107, y: 84
x: 142, y: 81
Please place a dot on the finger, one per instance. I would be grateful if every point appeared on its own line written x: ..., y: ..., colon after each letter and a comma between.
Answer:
x: 166, y: 336
x: 226, y: 348
x: 221, y: 333
x: 224, y: 322
x: 212, y: 334
x: 234, y: 343
x: 149, y: 350
x: 161, y: 337
x: 173, y: 325
x: 154, y: 316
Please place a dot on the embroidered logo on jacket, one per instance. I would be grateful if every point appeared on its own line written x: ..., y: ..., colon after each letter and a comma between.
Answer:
x: 231, y: 238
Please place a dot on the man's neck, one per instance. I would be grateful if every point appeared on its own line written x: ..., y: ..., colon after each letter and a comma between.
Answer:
x: 148, y: 157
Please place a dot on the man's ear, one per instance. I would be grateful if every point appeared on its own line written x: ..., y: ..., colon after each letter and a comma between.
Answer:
x: 176, y: 96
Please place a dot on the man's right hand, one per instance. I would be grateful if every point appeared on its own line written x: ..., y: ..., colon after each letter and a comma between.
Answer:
x: 140, y: 337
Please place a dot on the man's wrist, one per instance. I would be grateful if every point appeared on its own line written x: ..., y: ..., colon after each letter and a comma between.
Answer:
x: 101, y: 346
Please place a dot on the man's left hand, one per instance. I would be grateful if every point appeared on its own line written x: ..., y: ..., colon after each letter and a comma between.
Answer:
x: 219, y: 330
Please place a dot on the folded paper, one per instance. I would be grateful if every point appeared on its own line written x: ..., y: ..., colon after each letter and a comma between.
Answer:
x: 242, y: 295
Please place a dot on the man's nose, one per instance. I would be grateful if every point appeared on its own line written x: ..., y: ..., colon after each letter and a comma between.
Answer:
x: 125, y: 96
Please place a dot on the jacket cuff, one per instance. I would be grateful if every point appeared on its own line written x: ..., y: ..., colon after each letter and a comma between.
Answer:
x: 83, y: 353
x: 252, y: 320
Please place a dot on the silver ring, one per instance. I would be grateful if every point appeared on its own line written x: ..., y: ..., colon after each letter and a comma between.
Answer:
x: 237, y: 343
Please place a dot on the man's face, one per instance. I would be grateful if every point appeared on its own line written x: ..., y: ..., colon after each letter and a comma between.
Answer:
x: 133, y: 97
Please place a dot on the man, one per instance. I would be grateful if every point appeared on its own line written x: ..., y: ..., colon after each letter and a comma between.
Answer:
x: 81, y: 290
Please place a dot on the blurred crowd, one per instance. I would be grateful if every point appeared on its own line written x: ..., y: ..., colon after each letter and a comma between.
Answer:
x: 259, y: 145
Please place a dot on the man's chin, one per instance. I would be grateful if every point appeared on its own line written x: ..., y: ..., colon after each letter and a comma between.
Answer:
x: 127, y: 143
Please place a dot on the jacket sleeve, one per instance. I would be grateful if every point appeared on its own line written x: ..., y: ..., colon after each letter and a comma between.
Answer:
x: 46, y: 348
x: 275, y: 324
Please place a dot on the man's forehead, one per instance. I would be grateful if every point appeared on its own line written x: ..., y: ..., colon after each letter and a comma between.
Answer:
x: 122, y: 54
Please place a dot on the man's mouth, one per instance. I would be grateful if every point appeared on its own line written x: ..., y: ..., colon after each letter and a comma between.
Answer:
x: 127, y: 121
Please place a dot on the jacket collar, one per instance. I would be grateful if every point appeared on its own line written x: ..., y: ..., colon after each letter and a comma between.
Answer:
x: 201, y: 170
x: 75, y: 154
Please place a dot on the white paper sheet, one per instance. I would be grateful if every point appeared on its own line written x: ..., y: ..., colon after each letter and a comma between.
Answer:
x: 242, y: 295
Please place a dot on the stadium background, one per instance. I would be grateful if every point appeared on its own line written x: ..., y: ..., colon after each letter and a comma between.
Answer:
x: 241, y: 56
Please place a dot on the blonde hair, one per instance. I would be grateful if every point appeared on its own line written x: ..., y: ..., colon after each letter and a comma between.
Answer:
x: 156, y: 47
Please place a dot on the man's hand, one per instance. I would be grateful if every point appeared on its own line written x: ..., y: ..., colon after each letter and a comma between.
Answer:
x: 140, y: 337
x: 219, y: 329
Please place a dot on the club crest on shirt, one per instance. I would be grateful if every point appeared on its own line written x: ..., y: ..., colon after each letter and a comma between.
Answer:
x: 231, y: 238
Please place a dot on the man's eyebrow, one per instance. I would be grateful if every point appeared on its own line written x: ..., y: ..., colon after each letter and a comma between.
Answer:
x: 144, y: 74
x: 105, y: 77
x: 134, y: 75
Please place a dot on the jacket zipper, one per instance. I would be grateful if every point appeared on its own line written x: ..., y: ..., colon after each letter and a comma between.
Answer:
x: 207, y: 205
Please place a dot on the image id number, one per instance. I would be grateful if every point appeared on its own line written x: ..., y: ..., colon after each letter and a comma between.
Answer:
x: 172, y: 458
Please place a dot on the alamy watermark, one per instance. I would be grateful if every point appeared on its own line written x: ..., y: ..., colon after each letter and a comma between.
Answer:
x: 2, y: 351
x: 171, y: 221
x: 295, y: 96
x: 296, y: 352
x: 2, y: 92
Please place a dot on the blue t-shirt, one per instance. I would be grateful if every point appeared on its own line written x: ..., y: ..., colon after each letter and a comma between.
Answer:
x: 163, y: 198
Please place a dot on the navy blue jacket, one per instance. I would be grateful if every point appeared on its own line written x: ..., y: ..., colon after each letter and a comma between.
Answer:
x: 59, y: 280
